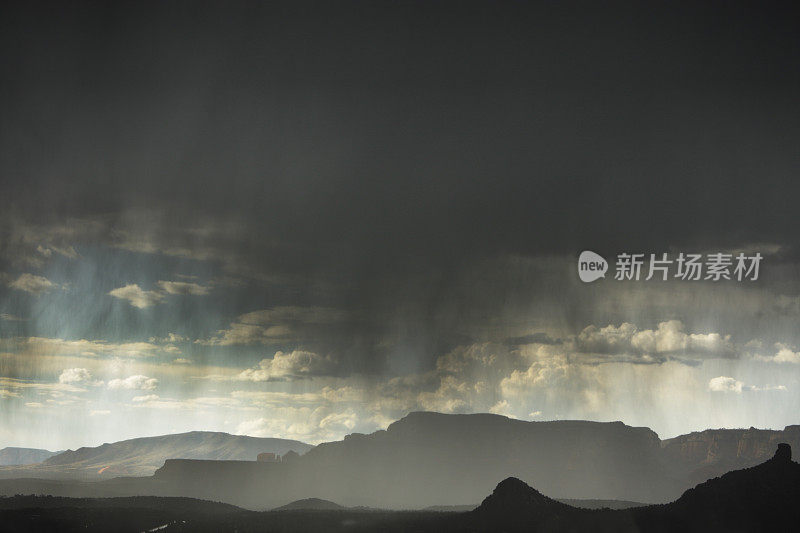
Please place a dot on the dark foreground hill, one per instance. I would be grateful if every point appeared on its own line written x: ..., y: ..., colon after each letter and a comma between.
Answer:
x: 310, y: 504
x: 23, y: 514
x: 143, y: 456
x: 759, y: 499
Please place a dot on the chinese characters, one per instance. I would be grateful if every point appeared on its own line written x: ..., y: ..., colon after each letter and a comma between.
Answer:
x: 690, y: 267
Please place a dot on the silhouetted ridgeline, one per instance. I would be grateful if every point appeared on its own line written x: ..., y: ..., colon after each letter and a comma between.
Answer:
x: 761, y: 498
x: 310, y: 504
x: 430, y: 459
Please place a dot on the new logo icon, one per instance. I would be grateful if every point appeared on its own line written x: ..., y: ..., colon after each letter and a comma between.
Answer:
x: 591, y: 266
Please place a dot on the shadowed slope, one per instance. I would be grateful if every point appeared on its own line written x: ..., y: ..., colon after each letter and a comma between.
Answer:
x: 143, y: 456
x: 24, y: 456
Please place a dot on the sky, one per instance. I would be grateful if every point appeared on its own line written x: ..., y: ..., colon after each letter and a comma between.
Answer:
x: 305, y: 220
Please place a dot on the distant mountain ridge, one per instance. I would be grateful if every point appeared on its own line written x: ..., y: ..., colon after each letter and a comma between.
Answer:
x: 422, y: 460
x: 143, y: 456
x: 12, y: 456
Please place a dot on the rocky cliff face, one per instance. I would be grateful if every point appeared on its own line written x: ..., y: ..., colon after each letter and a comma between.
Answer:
x: 702, y: 455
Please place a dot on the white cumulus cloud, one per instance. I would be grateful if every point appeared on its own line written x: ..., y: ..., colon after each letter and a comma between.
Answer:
x: 78, y: 375
x: 136, y: 296
x: 32, y: 284
x: 729, y: 384
x: 137, y: 382
x: 726, y: 384
x: 291, y: 365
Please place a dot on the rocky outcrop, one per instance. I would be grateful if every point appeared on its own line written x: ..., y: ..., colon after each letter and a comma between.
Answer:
x: 702, y: 455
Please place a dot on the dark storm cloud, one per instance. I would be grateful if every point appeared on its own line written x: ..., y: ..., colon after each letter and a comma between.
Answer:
x: 412, y: 129
x: 538, y: 338
x: 398, y: 161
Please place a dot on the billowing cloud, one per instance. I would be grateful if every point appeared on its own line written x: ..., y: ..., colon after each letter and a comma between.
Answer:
x: 317, y: 424
x: 669, y: 339
x: 32, y: 284
x: 137, y: 382
x: 78, y: 375
x: 726, y: 384
x: 608, y: 339
x: 729, y: 384
x: 476, y: 357
x: 289, y: 366
x: 786, y: 355
x: 136, y: 296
